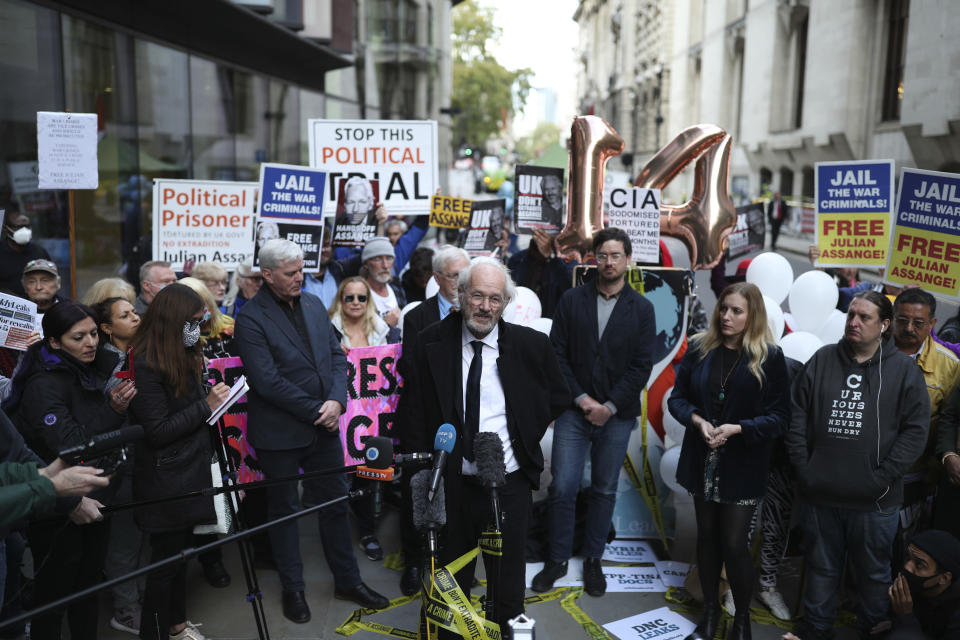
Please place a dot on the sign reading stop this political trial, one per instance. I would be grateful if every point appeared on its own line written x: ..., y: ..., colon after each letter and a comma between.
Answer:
x: 854, y: 201
x: 203, y: 221
x: 400, y: 154
x: 373, y: 391
x: 925, y: 247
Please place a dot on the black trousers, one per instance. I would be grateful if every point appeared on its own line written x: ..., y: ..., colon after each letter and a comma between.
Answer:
x: 165, y: 596
x: 67, y: 558
x: 467, y: 518
x: 775, y: 232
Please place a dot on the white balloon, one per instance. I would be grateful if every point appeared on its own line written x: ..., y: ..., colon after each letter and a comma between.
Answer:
x: 524, y: 307
x: 543, y: 325
x: 671, y: 426
x: 668, y: 468
x: 800, y: 345
x: 789, y: 322
x: 403, y: 313
x: 832, y: 329
x: 812, y: 297
x: 432, y: 288
x: 774, y: 318
x: 772, y: 274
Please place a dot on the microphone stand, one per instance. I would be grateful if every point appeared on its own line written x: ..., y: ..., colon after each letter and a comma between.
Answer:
x: 490, y: 607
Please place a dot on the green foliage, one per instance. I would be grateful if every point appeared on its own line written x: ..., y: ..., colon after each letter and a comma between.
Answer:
x: 487, y: 93
x: 544, y: 136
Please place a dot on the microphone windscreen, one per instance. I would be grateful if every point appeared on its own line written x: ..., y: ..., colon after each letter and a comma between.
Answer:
x: 113, y: 439
x: 378, y: 452
x: 445, y: 439
x: 427, y: 514
x: 491, y: 468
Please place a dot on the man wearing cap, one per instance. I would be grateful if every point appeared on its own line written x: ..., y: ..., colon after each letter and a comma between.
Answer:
x: 377, y: 259
x: 41, y: 281
x: 16, y: 250
x: 925, y: 597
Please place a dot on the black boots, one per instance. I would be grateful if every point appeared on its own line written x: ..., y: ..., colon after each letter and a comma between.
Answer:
x: 740, y: 629
x: 707, y: 627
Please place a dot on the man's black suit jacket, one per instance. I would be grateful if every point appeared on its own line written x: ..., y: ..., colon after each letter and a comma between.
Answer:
x: 534, y: 389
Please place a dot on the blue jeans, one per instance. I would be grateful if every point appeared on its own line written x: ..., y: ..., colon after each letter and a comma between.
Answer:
x: 572, y: 435
x: 867, y: 538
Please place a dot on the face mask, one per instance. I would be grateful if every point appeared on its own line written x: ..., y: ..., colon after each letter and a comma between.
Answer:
x: 22, y: 236
x: 916, y: 583
x: 191, y: 333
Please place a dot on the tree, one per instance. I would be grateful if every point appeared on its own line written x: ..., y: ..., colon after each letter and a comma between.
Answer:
x: 486, y: 93
x: 545, y: 135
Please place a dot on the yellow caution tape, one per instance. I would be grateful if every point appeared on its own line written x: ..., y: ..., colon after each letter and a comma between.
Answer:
x: 395, y: 561
x: 491, y: 543
x: 569, y: 604
x: 356, y: 623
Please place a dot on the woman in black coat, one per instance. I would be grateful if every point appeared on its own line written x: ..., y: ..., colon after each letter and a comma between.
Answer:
x: 59, y: 400
x: 732, y: 394
x: 174, y: 456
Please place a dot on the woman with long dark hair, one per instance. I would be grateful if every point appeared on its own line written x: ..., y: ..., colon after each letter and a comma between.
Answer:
x: 175, y: 454
x: 731, y: 392
x: 59, y: 400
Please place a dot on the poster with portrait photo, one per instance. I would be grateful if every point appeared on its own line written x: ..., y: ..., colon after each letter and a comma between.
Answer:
x: 486, y: 225
x: 308, y: 236
x: 356, y: 219
x: 539, y: 202
x: 749, y: 233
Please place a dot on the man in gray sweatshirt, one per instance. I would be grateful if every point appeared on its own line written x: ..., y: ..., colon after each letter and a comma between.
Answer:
x: 860, y: 417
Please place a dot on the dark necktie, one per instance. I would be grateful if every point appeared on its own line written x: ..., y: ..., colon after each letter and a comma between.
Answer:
x: 471, y: 419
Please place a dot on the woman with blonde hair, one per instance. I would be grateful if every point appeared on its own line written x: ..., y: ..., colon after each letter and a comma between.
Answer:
x: 732, y: 394
x: 354, y: 316
x: 109, y: 288
x: 216, y: 330
x: 214, y: 275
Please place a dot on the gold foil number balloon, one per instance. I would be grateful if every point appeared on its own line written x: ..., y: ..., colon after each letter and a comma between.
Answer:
x: 592, y: 143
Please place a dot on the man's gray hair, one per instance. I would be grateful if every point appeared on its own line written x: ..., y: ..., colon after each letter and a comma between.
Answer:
x: 146, y: 267
x: 278, y: 252
x: 396, y: 222
x: 509, y: 289
x: 363, y: 183
x: 445, y: 254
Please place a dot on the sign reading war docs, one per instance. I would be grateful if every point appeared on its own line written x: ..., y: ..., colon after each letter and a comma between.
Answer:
x: 203, y: 221
x: 400, y: 154
x: 925, y: 247
x: 854, y: 201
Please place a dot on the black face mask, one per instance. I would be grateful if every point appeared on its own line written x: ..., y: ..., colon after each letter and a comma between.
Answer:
x: 917, y: 583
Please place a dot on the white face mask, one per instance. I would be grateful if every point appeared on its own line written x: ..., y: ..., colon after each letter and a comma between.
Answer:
x: 22, y: 236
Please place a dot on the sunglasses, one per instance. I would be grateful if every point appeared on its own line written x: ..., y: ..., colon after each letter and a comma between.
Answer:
x: 359, y: 297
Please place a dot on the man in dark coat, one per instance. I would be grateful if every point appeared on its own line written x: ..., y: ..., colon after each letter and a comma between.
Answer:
x: 298, y: 389
x: 481, y: 374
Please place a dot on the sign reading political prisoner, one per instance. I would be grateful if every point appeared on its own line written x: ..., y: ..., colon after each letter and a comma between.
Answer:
x: 373, y: 390
x: 539, y: 199
x: 400, y: 154
x: 203, y: 221
x: 67, y: 150
x: 18, y: 319
x: 749, y: 233
x: 637, y: 211
x: 356, y: 220
x: 486, y: 227
x: 659, y: 624
x: 233, y: 423
x: 448, y: 212
x: 925, y: 246
x: 308, y: 236
x: 854, y: 202
x: 291, y: 193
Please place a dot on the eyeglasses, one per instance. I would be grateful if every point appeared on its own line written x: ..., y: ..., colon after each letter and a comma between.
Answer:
x: 452, y: 277
x: 476, y: 299
x: 919, y: 323
x: 609, y: 257
x: 360, y: 298
x: 216, y: 283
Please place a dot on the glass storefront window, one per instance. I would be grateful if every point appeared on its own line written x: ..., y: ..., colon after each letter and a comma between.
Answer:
x: 213, y: 120
x: 252, y: 136
x: 283, y: 121
x: 312, y: 105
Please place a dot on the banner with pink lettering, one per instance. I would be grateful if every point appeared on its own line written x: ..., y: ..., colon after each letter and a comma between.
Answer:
x: 233, y: 424
x: 373, y: 390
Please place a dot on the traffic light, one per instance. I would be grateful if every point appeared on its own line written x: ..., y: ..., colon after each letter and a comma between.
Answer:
x: 468, y: 151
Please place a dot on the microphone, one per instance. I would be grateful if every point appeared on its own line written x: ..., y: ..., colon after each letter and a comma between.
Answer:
x: 412, y: 458
x: 101, y: 444
x: 442, y: 447
x: 378, y: 453
x: 428, y: 516
x: 491, y: 469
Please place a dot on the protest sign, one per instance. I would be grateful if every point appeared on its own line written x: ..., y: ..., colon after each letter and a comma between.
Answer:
x: 308, y: 236
x: 672, y: 573
x: 629, y: 551
x: 67, y: 150
x: 539, y: 203
x: 373, y: 390
x: 356, y: 220
x: 18, y: 319
x: 233, y: 423
x: 925, y: 244
x: 749, y: 233
x: 633, y: 580
x: 637, y: 211
x: 400, y: 154
x: 203, y: 221
x: 291, y: 192
x: 486, y: 227
x: 448, y: 212
x: 659, y: 624
x: 854, y: 201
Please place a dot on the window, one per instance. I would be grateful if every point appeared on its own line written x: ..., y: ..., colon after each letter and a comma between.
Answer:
x: 896, y: 59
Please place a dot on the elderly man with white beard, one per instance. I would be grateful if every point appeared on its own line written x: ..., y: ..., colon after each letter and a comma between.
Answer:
x: 388, y: 295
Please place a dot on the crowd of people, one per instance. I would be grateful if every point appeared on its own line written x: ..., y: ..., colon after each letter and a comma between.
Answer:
x: 861, y: 441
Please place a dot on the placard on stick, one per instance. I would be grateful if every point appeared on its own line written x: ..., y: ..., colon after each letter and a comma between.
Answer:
x: 67, y: 150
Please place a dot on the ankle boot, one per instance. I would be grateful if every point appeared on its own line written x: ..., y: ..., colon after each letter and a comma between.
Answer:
x: 707, y: 627
x: 740, y: 629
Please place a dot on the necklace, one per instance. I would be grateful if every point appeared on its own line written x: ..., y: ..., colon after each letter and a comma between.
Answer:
x: 723, y: 381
